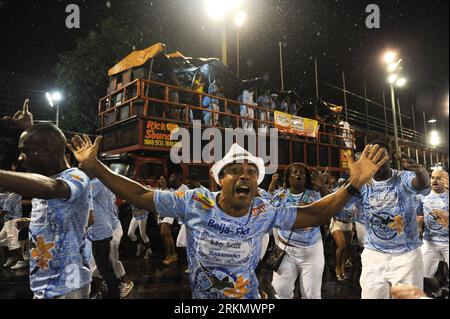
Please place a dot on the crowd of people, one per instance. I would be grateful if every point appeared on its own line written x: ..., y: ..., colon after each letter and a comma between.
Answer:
x: 62, y: 221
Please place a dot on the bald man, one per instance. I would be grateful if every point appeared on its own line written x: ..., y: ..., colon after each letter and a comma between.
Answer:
x: 434, y: 208
x: 58, y: 265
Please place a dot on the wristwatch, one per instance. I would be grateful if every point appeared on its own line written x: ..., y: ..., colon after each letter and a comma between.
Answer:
x: 352, y: 190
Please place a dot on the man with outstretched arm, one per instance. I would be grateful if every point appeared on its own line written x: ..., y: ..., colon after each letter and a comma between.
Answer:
x: 224, y: 229
x: 58, y: 267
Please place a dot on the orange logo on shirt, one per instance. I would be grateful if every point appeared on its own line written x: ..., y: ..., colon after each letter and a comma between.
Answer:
x: 239, y: 290
x: 78, y: 178
x: 41, y: 253
x: 398, y: 224
x: 180, y: 194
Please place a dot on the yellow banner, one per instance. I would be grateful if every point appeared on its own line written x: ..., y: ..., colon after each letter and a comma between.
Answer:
x: 296, y: 125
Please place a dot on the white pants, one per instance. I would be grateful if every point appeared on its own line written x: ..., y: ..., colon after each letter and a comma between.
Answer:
x: 142, y: 229
x: 181, y: 238
x: 9, y: 235
x: 264, y: 244
x: 263, y: 127
x: 247, y: 125
x: 114, y: 252
x: 381, y: 271
x: 432, y: 253
x: 306, y: 262
x: 360, y: 233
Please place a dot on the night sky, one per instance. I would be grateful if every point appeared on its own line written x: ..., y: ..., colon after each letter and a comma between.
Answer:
x: 33, y: 33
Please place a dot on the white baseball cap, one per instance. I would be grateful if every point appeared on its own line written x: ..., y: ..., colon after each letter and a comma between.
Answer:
x: 237, y: 154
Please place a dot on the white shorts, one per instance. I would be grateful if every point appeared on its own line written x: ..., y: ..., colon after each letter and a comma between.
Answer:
x: 338, y: 225
x: 360, y: 233
x: 9, y: 235
x: 181, y: 238
x: 166, y: 220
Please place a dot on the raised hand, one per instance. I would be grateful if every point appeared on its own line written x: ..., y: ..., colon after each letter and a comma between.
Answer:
x: 410, y: 164
x: 322, y: 178
x: 85, y: 152
x: 23, y: 118
x: 372, y: 158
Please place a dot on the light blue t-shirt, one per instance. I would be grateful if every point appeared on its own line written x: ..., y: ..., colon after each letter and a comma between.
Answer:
x: 436, y: 227
x: 58, y: 263
x: 3, y: 197
x: 390, y: 209
x: 13, y: 206
x: 346, y: 215
x: 104, y: 210
x: 223, y: 251
x: 264, y: 194
x: 299, y: 237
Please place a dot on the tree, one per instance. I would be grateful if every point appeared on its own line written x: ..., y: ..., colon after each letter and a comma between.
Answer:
x: 82, y: 74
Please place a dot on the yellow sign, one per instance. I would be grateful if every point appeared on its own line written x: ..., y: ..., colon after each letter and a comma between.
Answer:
x: 159, y: 134
x: 296, y: 125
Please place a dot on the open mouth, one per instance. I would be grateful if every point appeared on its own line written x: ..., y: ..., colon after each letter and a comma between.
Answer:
x: 242, y: 190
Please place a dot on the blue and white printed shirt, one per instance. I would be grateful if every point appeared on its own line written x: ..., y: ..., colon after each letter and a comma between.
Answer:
x: 300, y: 237
x: 12, y: 206
x: 223, y: 251
x: 58, y: 263
x: 389, y: 212
x: 435, y: 215
x: 104, y: 207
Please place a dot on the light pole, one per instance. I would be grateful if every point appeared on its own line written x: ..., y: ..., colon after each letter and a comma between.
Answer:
x: 53, y: 99
x: 239, y: 20
x: 217, y: 10
x: 394, y: 80
x: 394, y: 119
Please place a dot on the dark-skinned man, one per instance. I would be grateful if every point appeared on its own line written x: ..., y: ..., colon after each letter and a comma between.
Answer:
x: 391, y: 253
x: 224, y: 229
x: 58, y: 267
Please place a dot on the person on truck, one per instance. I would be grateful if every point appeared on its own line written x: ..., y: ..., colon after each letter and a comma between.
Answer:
x: 224, y: 229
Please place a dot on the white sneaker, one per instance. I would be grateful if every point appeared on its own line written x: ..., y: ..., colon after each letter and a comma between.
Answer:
x: 125, y: 289
x: 20, y: 265
x: 10, y: 261
x: 140, y: 250
x: 148, y: 254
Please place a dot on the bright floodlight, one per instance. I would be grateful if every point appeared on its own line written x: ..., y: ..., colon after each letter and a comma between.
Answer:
x: 435, y: 140
x: 56, y: 96
x: 215, y: 9
x: 433, y: 120
x: 389, y: 57
x: 392, y: 78
x: 49, y: 99
x: 401, y: 82
x: 239, y: 18
x: 392, y: 67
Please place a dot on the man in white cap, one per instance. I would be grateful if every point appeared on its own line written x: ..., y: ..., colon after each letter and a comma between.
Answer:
x: 224, y: 229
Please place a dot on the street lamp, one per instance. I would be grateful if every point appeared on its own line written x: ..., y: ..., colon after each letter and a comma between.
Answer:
x: 239, y: 20
x: 217, y: 10
x: 389, y: 57
x: 53, y: 99
x: 394, y: 80
x: 435, y: 139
